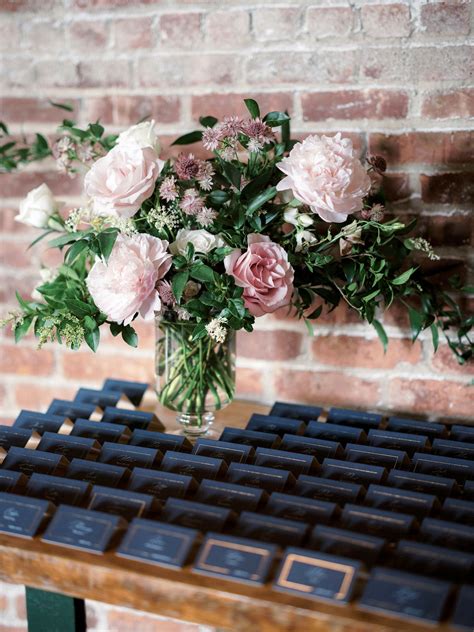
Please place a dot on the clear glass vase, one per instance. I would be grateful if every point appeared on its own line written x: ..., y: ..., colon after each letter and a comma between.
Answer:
x: 193, y: 377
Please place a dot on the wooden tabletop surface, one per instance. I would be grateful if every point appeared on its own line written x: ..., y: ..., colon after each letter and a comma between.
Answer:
x: 182, y: 594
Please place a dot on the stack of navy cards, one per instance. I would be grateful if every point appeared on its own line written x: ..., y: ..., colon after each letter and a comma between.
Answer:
x: 339, y: 505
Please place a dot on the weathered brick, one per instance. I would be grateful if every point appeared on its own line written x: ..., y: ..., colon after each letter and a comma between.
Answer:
x: 445, y: 148
x: 446, y: 18
x: 445, y: 362
x: 179, y: 70
x: 29, y: 5
x: 120, y: 620
x: 354, y: 104
x: 32, y: 110
x: 16, y: 74
x: 9, y: 34
x: 326, y: 387
x: 228, y: 29
x: 386, y: 20
x: 128, y: 110
x: 351, y: 351
x: 19, y: 184
x: 248, y: 382
x: 442, y: 397
x: 447, y: 230
x: 396, y: 186
x: 275, y: 23
x: 457, y: 103
x: 14, y: 254
x: 277, y: 344
x: 134, y: 32
x: 33, y: 396
x: 448, y: 188
x: 83, y: 365
x: 104, y: 72
x: 54, y: 73
x: 87, y: 36
x: 180, y: 31
x: 221, y: 105
x: 18, y: 360
x: 329, y: 21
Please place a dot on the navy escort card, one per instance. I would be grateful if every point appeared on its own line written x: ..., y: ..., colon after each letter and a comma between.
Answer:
x: 102, y: 399
x: 327, y: 489
x: 73, y: 410
x: 406, y: 501
x: 463, y: 615
x: 300, y: 508
x: 11, y: 436
x: 277, y: 425
x: 458, y: 510
x: 460, y: 469
x: 303, y: 412
x: 434, y: 561
x: 160, y: 484
x: 409, y: 443
x: 23, y: 516
x: 160, y: 441
x: 43, y: 422
x: 134, y: 419
x: 133, y: 390
x: 270, y: 529
x: 70, y: 447
x: 29, y: 461
x: 235, y: 497
x: 295, y: 462
x: 438, y: 485
x: 414, y: 426
x: 102, y: 431
x: 195, y: 515
x: 193, y: 465
x: 335, y: 432
x: 157, y: 543
x: 356, y: 418
x: 98, y: 473
x: 376, y: 521
x: 319, y: 448
x: 317, y: 575
x: 468, y: 490
x: 376, y: 456
x: 14, y: 482
x: 406, y: 595
x: 129, y: 455
x: 267, y: 478
x: 224, y: 450
x: 363, y: 547
x: 92, y: 531
x: 250, y: 437
x: 462, y: 433
x: 58, y: 490
x: 237, y: 559
x: 352, y: 472
x: 445, y: 533
x: 122, y: 502
x: 458, y: 449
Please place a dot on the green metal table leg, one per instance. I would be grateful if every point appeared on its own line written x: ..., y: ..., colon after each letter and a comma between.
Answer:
x: 52, y: 612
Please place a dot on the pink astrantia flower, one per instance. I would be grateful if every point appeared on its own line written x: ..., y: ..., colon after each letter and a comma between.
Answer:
x: 123, y: 179
x: 324, y: 173
x: 191, y: 203
x: 265, y: 274
x: 127, y: 283
x: 186, y: 166
x: 168, y: 190
x: 211, y: 137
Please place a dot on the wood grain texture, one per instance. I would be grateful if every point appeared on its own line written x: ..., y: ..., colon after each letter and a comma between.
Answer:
x: 182, y: 594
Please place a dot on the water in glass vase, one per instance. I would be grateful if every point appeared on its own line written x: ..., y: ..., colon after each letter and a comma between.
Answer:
x: 194, y: 377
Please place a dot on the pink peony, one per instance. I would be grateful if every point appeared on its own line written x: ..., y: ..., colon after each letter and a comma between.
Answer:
x: 127, y: 284
x: 122, y: 180
x: 264, y: 273
x: 324, y: 173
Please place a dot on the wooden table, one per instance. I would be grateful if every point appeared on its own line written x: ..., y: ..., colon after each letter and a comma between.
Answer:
x: 66, y: 577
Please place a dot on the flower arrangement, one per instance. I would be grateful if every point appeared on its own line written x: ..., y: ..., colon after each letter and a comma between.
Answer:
x: 264, y: 223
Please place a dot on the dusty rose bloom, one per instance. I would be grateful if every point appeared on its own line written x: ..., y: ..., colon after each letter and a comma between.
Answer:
x: 324, y: 173
x: 168, y: 190
x: 192, y: 202
x: 186, y: 166
x: 265, y: 274
x: 127, y: 283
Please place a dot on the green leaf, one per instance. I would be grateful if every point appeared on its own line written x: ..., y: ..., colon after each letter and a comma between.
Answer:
x: 349, y: 267
x: 96, y: 129
x: 68, y: 238
x: 309, y: 327
x: 115, y: 329
x: 435, y: 336
x: 179, y: 281
x: 417, y: 322
x: 232, y: 173
x: 261, y: 199
x: 23, y: 304
x: 199, y: 331
x: 62, y: 106
x: 75, y: 250
x: 38, y: 239
x: 252, y: 107
x: 22, y: 328
x: 218, y: 197
x: 79, y: 308
x: 203, y: 273
x: 106, y: 242
x: 381, y: 333
x: 256, y: 184
x: 68, y: 272
x: 188, y: 139
x: 41, y: 144
x: 403, y: 278
x: 370, y: 296
x: 92, y: 338
x: 207, y: 121
x: 130, y: 336
x: 275, y: 119
x: 316, y: 313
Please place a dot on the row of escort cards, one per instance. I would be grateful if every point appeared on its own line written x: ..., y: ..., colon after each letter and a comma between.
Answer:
x: 339, y: 497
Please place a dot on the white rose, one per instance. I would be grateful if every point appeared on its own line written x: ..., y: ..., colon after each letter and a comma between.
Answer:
x: 202, y: 240
x: 38, y: 206
x: 143, y: 134
x: 300, y: 220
